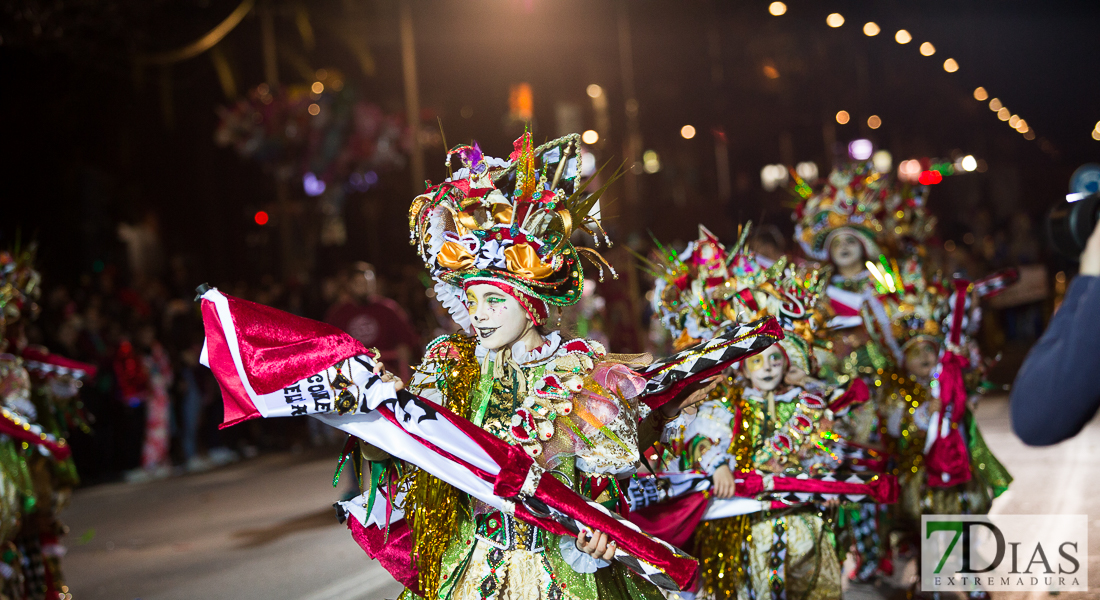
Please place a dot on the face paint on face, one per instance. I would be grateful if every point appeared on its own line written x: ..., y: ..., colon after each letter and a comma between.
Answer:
x: 499, y: 320
x: 920, y: 359
x: 766, y: 370
x: 845, y: 250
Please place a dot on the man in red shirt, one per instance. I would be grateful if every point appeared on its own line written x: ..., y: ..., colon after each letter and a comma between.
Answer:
x: 374, y: 320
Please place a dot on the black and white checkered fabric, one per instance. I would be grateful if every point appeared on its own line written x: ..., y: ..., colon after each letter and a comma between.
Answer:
x: 646, y: 491
x: 735, y: 343
x: 649, y: 572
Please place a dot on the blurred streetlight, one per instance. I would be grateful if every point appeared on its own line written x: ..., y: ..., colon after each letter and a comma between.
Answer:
x: 842, y: 117
x: 594, y: 91
x: 883, y: 161
x: 980, y: 94
x: 950, y: 65
x: 807, y: 170
x: 834, y: 20
x: 903, y: 37
x: 871, y: 29
x: 590, y: 137
x: 927, y: 49
x: 874, y: 122
x: 687, y: 132
x: 777, y: 8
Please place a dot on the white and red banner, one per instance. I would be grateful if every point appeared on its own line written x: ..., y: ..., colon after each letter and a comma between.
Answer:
x: 271, y: 364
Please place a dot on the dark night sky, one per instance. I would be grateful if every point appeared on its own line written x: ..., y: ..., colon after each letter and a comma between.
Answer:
x: 88, y: 145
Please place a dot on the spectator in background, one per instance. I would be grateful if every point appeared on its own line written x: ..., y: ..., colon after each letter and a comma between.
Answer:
x: 375, y: 321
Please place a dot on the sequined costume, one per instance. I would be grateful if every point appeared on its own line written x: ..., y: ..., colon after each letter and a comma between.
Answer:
x: 507, y: 223
x: 37, y: 474
x: 590, y: 447
x: 784, y: 551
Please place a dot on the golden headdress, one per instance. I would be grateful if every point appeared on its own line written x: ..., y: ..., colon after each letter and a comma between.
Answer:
x: 508, y: 223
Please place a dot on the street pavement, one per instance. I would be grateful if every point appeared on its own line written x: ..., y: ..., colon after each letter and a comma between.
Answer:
x: 265, y: 528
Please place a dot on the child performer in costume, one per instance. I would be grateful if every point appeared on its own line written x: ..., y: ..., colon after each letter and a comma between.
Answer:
x: 37, y: 475
x: 854, y: 221
x: 769, y: 418
x: 943, y: 464
x: 495, y: 238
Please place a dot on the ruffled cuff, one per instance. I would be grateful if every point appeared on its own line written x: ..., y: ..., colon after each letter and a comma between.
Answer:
x: 713, y: 458
x: 577, y: 560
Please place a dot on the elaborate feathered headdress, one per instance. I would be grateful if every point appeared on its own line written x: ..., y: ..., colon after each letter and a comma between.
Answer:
x: 706, y: 287
x: 19, y: 284
x: 875, y: 207
x: 508, y: 223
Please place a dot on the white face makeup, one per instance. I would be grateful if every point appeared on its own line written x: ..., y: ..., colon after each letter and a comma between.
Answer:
x: 920, y: 359
x: 766, y: 370
x: 846, y: 251
x: 499, y: 320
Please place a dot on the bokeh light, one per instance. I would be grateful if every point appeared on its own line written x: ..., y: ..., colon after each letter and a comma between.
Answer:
x: 950, y: 65
x: 927, y: 49
x: 807, y: 170
x: 969, y: 163
x: 590, y: 137
x: 995, y: 105
x: 687, y: 132
x: 860, y: 149
x: 314, y: 109
x: 903, y: 37
x: 843, y: 117
x: 980, y: 94
x: 260, y: 217
x: 874, y: 122
x: 834, y: 20
x: 871, y: 29
x: 317, y: 87
x: 1004, y: 114
x: 883, y: 161
x: 594, y: 90
x: 777, y: 8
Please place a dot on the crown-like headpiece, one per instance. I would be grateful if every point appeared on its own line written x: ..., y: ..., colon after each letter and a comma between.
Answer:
x: 706, y: 287
x: 874, y: 207
x: 508, y: 223
x: 19, y: 284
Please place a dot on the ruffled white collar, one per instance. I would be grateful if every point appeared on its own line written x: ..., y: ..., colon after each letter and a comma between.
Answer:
x: 524, y: 357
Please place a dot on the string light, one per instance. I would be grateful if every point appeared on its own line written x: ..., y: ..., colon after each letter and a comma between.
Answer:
x: 927, y: 49
x: 777, y: 8
x: 980, y: 94
x: 871, y: 29
x: 1004, y: 114
x: 950, y: 65
x: 834, y: 20
x: 903, y: 37
x: 995, y: 105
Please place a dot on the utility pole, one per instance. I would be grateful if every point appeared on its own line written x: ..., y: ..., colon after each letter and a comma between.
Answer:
x: 412, y: 94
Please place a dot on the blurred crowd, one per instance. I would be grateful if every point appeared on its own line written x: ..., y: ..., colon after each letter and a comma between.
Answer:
x: 154, y: 410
